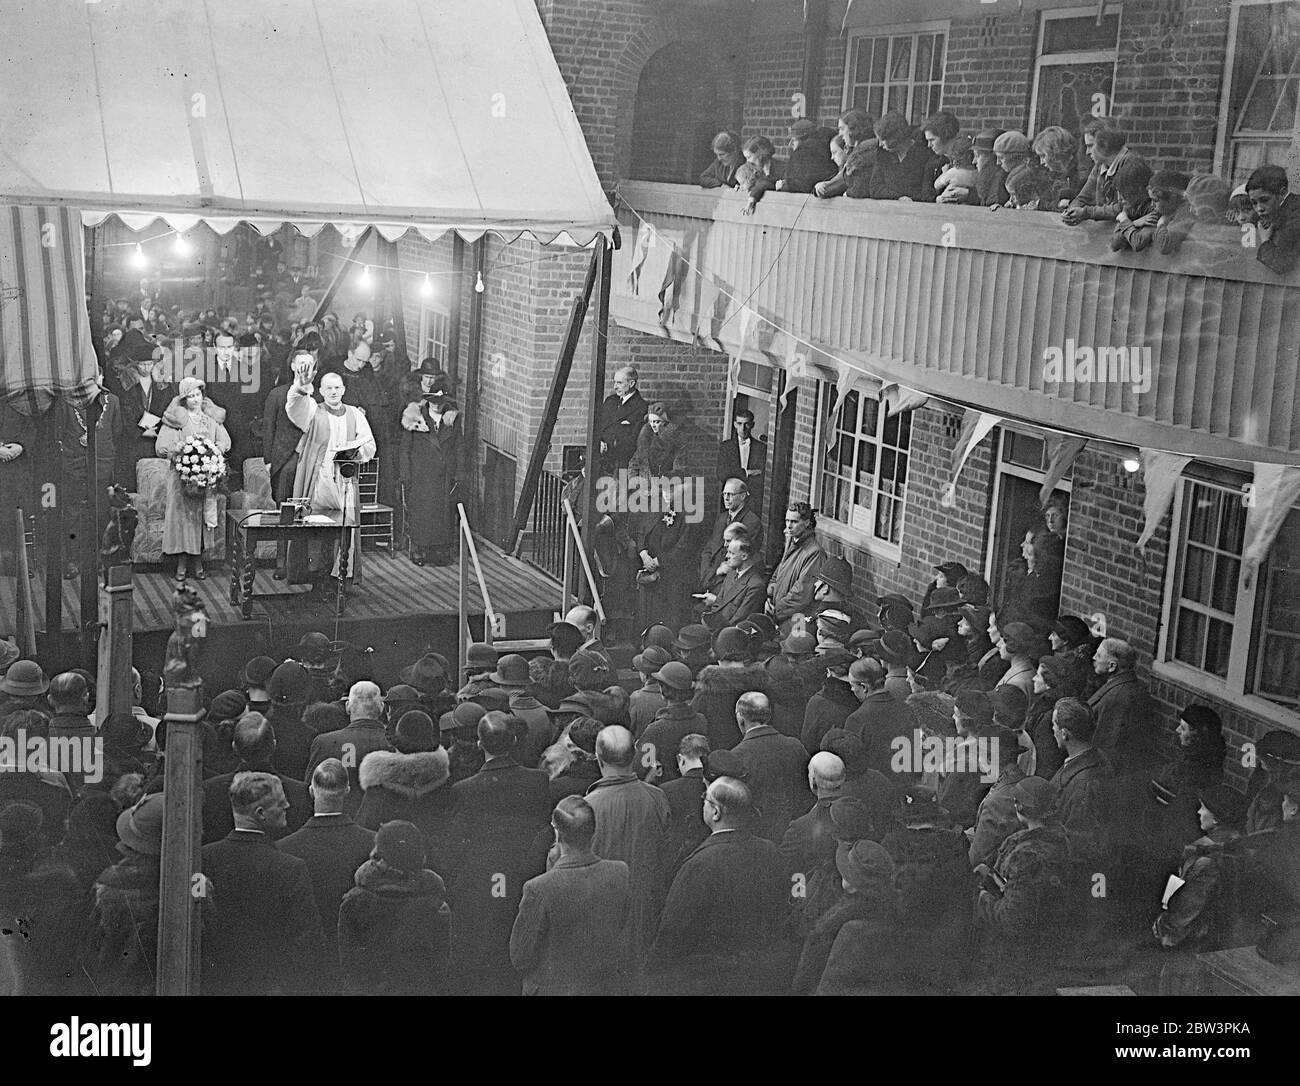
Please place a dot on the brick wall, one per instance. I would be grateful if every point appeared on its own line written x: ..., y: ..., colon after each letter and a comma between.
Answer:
x: 989, y: 70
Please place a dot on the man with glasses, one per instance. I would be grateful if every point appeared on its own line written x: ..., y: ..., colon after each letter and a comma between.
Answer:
x: 744, y: 456
x: 737, y: 508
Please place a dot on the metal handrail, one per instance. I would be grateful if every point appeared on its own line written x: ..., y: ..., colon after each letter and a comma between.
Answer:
x: 576, y: 542
x: 467, y: 547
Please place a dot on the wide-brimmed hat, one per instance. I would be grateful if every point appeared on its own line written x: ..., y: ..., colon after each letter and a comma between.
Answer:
x: 481, y: 656
x: 24, y: 679
x: 9, y: 652
x: 675, y: 675
x: 953, y: 571
x: 512, y: 670
x: 896, y: 648
x: 943, y: 599
x: 651, y: 659
x: 428, y: 673
x: 141, y: 827
x: 835, y: 572
x: 466, y: 715
x: 313, y: 648
x: 693, y: 637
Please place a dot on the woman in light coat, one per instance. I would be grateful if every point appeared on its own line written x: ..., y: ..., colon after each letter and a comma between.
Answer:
x: 190, y: 523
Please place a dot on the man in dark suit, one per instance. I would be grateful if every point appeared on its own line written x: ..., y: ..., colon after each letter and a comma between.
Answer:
x: 880, y: 718
x: 738, y: 510
x: 254, y: 746
x: 621, y: 417
x: 496, y: 844
x: 777, y: 766
x: 263, y: 935
x: 744, y: 457
x: 280, y: 451
x: 148, y: 395
x: 743, y: 590
x: 333, y: 847
x: 686, y: 827
x: 724, y: 910
x: 571, y: 934
x: 809, y: 840
x: 364, y: 733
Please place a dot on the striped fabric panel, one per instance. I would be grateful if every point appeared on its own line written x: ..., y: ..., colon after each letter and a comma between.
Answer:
x: 46, y: 349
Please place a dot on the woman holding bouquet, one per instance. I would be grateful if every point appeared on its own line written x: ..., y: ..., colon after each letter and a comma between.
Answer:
x: 194, y: 441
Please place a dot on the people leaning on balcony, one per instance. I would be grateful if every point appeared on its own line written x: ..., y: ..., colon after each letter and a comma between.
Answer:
x: 1013, y: 153
x: 854, y: 133
x: 727, y: 159
x: 758, y: 174
x: 1030, y: 189
x: 956, y: 182
x: 810, y: 158
x: 1207, y: 197
x: 1279, y: 216
x: 1057, y: 151
x: 939, y: 131
x: 1099, y: 198
x: 904, y: 167
x: 1135, y: 226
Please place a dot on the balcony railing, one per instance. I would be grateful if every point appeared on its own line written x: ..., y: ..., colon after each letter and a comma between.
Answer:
x: 968, y: 304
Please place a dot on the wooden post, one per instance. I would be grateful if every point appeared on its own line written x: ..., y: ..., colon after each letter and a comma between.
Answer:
x: 25, y: 619
x: 454, y: 307
x: 462, y: 584
x: 181, y: 892
x: 568, y: 566
x: 88, y: 551
x: 113, y: 680
x: 52, y: 499
x: 596, y: 389
x: 559, y: 379
x: 472, y: 369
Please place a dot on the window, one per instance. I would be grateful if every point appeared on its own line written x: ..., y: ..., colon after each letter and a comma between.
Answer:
x: 1246, y: 639
x: 1074, y: 74
x: 897, y: 68
x: 435, y: 337
x: 1259, y: 108
x: 863, y: 478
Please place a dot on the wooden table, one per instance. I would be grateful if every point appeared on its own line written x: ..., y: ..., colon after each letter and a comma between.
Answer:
x: 244, y: 531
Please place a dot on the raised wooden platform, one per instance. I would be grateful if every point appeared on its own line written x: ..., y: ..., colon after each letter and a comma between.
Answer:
x: 392, y: 586
x: 1241, y: 971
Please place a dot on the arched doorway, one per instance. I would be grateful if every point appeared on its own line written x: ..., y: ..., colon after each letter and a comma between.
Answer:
x: 676, y: 116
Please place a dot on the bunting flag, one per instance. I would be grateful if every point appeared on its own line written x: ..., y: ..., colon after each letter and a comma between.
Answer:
x: 743, y: 332
x: 645, y: 238
x: 846, y: 379
x: 1274, y: 491
x: 975, y: 427
x: 1160, y: 473
x: 897, y: 399
x: 1061, y: 452
x: 796, y: 369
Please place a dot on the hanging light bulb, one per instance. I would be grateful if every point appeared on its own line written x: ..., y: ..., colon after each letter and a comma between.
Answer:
x: 138, y: 258
x: 478, y: 282
x: 365, y: 276
x: 1132, y: 464
x: 426, y: 288
x: 180, y: 246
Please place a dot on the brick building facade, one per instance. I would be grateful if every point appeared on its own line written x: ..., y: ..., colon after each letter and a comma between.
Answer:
x: 1170, y: 64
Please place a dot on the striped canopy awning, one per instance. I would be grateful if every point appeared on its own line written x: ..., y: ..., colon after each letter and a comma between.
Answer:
x: 46, y: 349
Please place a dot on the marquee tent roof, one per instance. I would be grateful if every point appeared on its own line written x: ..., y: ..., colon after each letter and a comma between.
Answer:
x: 398, y: 114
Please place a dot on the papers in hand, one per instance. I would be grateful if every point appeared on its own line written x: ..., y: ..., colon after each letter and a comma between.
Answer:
x: 1171, y: 888
x: 348, y: 451
x: 149, y: 422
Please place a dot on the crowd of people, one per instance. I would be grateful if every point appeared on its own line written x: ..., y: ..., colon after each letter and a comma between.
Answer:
x: 954, y: 793
x: 1095, y: 176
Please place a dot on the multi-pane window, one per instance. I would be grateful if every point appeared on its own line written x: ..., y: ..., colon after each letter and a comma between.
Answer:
x: 435, y: 337
x: 1261, y: 91
x: 1246, y: 633
x: 863, y: 479
x: 900, y: 71
x: 1074, y: 73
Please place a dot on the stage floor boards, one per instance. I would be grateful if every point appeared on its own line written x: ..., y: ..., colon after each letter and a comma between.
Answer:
x: 391, y: 586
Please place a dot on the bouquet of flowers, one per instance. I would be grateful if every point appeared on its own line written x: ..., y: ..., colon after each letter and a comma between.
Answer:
x: 200, y: 465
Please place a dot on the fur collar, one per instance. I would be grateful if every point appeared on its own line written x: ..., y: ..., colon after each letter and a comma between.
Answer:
x: 415, y: 419
x: 375, y: 876
x: 716, y: 679
x: 410, y: 776
x: 175, y: 414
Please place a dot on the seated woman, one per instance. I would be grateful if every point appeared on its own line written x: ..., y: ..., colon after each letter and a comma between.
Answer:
x: 727, y: 156
x: 1057, y: 151
x: 1194, y: 913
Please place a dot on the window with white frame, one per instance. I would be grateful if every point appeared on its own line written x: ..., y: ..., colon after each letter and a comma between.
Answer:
x: 896, y: 68
x: 1247, y: 638
x: 435, y: 337
x: 862, y: 477
x: 1261, y: 89
x: 1074, y: 73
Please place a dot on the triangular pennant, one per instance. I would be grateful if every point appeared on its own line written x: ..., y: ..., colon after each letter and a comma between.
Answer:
x: 1160, y: 474
x: 896, y: 399
x: 1061, y: 452
x: 975, y: 427
x: 1268, y: 501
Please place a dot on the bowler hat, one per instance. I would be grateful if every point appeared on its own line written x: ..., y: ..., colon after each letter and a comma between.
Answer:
x: 289, y: 683
x: 141, y: 827
x: 651, y: 659
x: 512, y: 670
x: 835, y: 572
x: 693, y: 637
x: 1034, y: 797
x: 24, y: 679
x: 759, y: 624
x: 429, y: 368
x: 675, y: 675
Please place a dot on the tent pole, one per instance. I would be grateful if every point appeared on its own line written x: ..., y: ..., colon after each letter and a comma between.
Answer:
x: 596, y: 389
x: 340, y: 274
x: 47, y: 440
x: 559, y: 379
x: 88, y: 551
x: 472, y: 369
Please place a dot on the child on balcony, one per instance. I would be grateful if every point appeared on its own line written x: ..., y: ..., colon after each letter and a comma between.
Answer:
x: 755, y: 177
x: 1241, y: 212
x: 1168, y: 192
x: 1013, y: 152
x: 1279, y: 216
x: 956, y: 184
x: 990, y: 178
x: 1135, y: 224
x: 1030, y: 189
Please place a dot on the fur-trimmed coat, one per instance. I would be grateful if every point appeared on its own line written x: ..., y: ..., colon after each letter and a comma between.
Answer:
x: 395, y: 933
x: 663, y: 453
x: 431, y: 464
x: 411, y: 787
x: 718, y: 688
x: 187, y: 527
x: 122, y: 942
